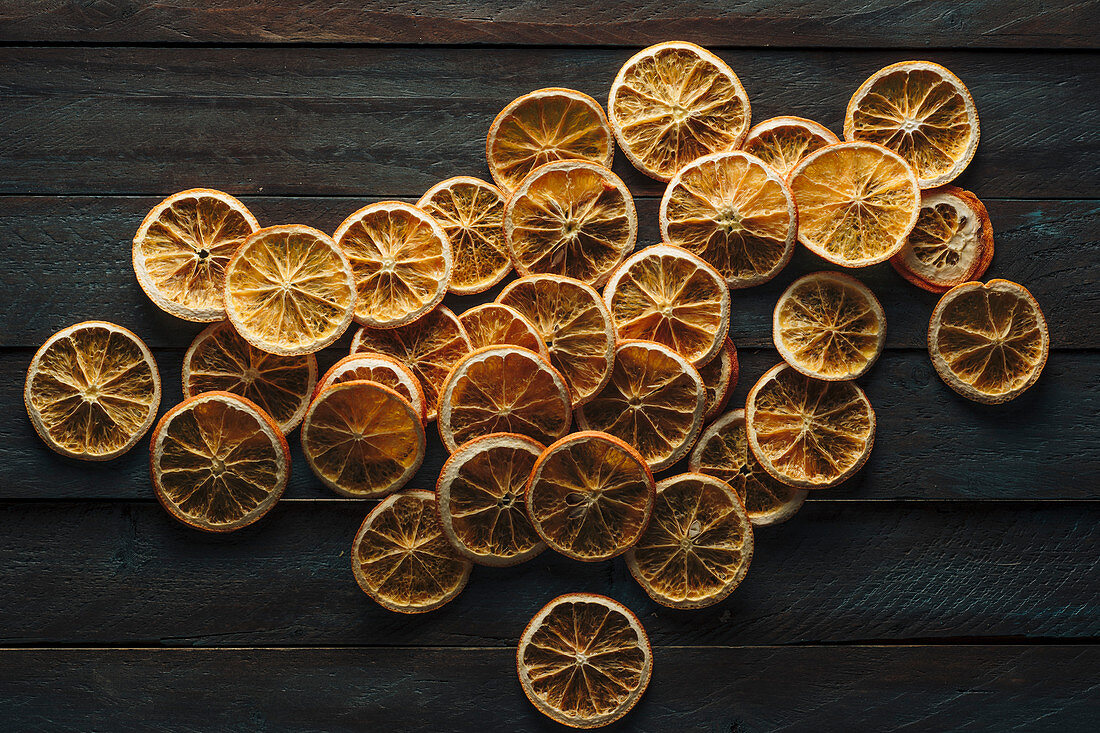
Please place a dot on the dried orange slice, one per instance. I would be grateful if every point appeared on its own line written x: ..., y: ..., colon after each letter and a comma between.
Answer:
x: 698, y: 545
x: 401, y: 259
x: 482, y: 491
x: 492, y: 324
x: 829, y: 326
x: 218, y: 462
x: 471, y: 212
x: 668, y: 295
x: 674, y: 102
x: 570, y: 218
x: 545, y: 126
x: 783, y: 141
x: 289, y: 290
x: 951, y: 243
x: 182, y: 247
x: 92, y: 391
x: 584, y: 660
x: 921, y: 111
x: 575, y: 325
x: 363, y: 440
x: 857, y: 203
x: 733, y: 211
x: 401, y: 558
x: 386, y: 370
x: 806, y: 432
x: 988, y: 342
x: 590, y: 496
x: 654, y: 403
x: 719, y: 379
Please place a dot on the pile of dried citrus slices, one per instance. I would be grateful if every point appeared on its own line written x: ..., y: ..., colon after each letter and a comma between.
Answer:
x: 583, y: 403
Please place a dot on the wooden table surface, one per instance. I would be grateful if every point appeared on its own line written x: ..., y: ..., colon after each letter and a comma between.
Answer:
x: 953, y: 585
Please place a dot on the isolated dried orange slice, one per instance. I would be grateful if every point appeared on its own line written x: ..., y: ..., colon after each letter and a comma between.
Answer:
x: 182, y: 247
x: 386, y: 370
x: 471, y: 213
x: 492, y: 324
x: 401, y: 558
x: 829, y: 326
x: 921, y: 111
x: 289, y: 290
x: 783, y: 141
x: 806, y: 432
x: 719, y: 379
x: 584, y: 660
x: 482, y: 491
x: 674, y: 102
x: 698, y: 545
x: 988, y: 342
x: 218, y: 462
x: 92, y: 391
x: 951, y: 243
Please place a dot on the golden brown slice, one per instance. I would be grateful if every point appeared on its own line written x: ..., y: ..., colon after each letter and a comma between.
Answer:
x: 952, y: 241
x: 401, y: 558
x: 385, y: 370
x: 493, y: 324
x: 698, y: 545
x: 471, y: 212
x: 92, y: 391
x: 674, y: 102
x: 783, y: 141
x: 584, y: 660
x: 182, y: 247
x: 719, y: 379
x: 218, y: 462
x: 988, y: 342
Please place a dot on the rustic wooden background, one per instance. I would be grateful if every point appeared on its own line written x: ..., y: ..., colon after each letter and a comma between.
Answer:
x: 952, y: 586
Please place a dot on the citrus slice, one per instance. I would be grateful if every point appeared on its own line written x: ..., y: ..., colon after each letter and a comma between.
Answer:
x: 471, y: 213
x: 952, y: 241
x: 921, y: 111
x: 733, y: 211
x: 719, y: 378
x: 654, y: 403
x: 574, y: 324
x: 584, y: 660
x: 674, y: 102
x: 492, y: 324
x: 988, y: 342
x: 570, y: 218
x: 182, y: 247
x: 857, y: 203
x: 289, y: 290
x: 806, y: 432
x: 218, y: 462
x: 401, y: 558
x: 783, y: 141
x: 92, y: 391
x: 545, y: 126
x: 829, y: 326
x: 590, y: 496
x: 401, y: 259
x: 363, y: 440
x: 385, y: 370
x: 698, y: 545
x: 219, y: 360
x: 668, y: 295
x: 482, y: 490
x: 723, y: 452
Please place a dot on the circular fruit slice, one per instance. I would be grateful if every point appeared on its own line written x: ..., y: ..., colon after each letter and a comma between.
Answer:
x: 218, y: 462
x: 363, y: 440
x: 182, y: 247
x: 590, y: 496
x: 783, y: 141
x: 492, y: 324
x: 988, y: 342
x: 698, y: 545
x: 829, y: 326
x: 806, y: 432
x: 571, y: 218
x: 289, y: 290
x: 401, y: 558
x: 401, y: 259
x: 575, y: 325
x: 545, y: 126
x: 674, y: 102
x: 220, y: 360
x: 735, y: 213
x: 921, y: 111
x: 857, y: 203
x: 952, y: 241
x: 668, y: 295
x: 584, y: 660
x: 723, y: 452
x: 654, y: 403
x: 719, y: 378
x: 482, y: 490
x: 471, y: 213
x: 92, y: 391
x: 384, y: 370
